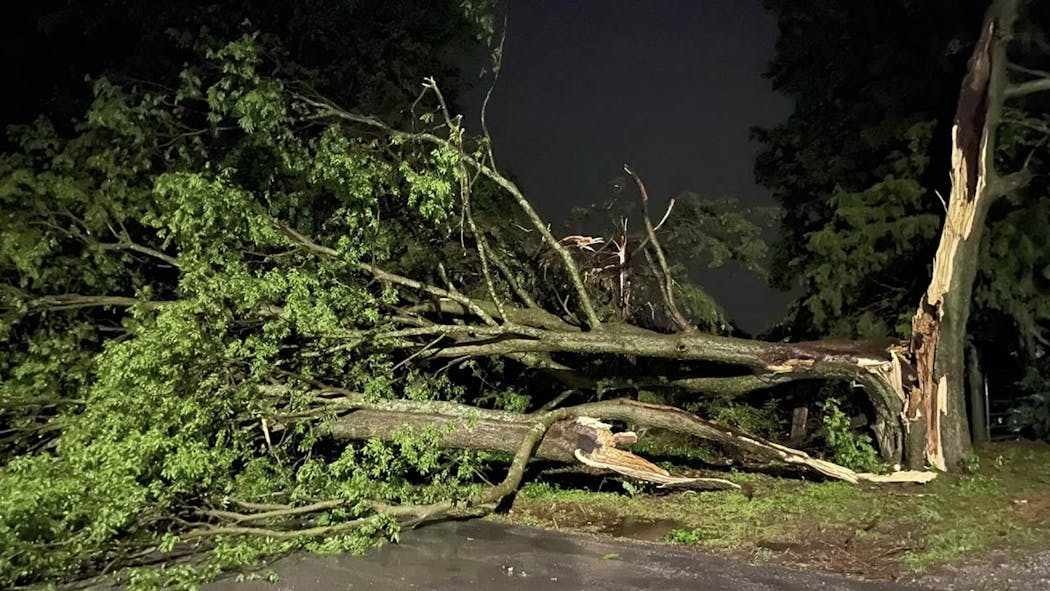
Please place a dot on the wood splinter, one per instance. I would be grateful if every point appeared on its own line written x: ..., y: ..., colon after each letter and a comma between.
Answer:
x: 599, y: 449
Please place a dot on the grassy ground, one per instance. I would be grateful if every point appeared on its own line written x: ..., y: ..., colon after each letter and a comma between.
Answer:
x: 875, y: 531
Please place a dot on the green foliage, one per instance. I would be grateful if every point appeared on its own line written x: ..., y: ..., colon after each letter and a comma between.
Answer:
x: 152, y: 297
x: 1030, y: 415
x: 714, y: 232
x: 631, y: 488
x: 862, y: 76
x: 1015, y: 269
x: 847, y: 448
x: 699, y: 306
x: 685, y: 536
x: 871, y: 233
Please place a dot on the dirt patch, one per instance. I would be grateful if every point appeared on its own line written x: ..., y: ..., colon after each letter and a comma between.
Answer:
x: 1034, y: 509
x: 841, y: 550
x: 581, y: 517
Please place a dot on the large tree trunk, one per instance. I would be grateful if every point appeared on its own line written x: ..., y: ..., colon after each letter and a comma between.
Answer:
x: 876, y: 366
x: 935, y: 417
x: 563, y: 439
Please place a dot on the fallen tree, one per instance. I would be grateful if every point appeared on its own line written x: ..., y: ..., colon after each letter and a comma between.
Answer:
x: 916, y: 387
x: 569, y: 435
x: 314, y: 317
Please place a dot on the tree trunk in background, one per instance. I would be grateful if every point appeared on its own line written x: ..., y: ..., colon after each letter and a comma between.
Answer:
x: 935, y: 417
x: 978, y: 418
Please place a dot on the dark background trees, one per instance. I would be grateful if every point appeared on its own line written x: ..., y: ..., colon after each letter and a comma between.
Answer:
x: 367, y: 53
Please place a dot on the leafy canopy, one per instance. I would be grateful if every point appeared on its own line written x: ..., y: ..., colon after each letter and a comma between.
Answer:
x: 156, y: 311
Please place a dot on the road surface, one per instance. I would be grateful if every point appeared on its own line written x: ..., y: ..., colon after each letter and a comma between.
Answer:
x: 487, y: 556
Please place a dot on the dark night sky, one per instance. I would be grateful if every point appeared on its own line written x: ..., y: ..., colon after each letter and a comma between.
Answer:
x: 669, y: 86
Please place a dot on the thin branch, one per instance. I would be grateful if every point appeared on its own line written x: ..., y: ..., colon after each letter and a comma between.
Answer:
x: 512, y: 281
x: 134, y: 247
x: 277, y: 512
x: 76, y: 301
x: 555, y: 402
x: 497, y: 65
x: 1024, y: 70
x: 465, y: 193
x: 393, y: 277
x: 311, y: 532
x: 535, y: 317
x: 309, y: 244
x: 262, y: 506
x: 482, y: 246
x: 645, y: 241
x: 666, y: 280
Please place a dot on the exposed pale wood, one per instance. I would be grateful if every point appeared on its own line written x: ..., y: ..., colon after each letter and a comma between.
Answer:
x: 905, y: 476
x: 473, y: 428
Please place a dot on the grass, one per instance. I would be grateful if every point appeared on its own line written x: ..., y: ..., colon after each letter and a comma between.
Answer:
x: 872, y: 530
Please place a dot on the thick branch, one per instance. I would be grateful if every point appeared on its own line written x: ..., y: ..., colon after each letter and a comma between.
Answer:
x: 815, y: 358
x: 533, y: 317
x: 455, y: 432
x: 735, y: 385
x: 1026, y: 88
x: 463, y: 426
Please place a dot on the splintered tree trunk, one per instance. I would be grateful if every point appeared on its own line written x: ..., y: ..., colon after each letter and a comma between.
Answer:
x: 935, y: 414
x: 567, y: 433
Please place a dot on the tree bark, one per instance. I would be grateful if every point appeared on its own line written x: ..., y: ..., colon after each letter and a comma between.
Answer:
x: 559, y: 443
x: 978, y: 418
x: 468, y: 427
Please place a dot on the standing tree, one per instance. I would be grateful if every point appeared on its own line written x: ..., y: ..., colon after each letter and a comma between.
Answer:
x: 936, y: 408
x: 861, y: 184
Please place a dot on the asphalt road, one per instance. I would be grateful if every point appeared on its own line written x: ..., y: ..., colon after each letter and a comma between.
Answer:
x: 486, y: 556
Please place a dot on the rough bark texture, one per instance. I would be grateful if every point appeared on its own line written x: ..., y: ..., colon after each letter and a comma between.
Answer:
x: 467, y: 427
x: 877, y: 366
x: 936, y: 408
x: 559, y: 444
